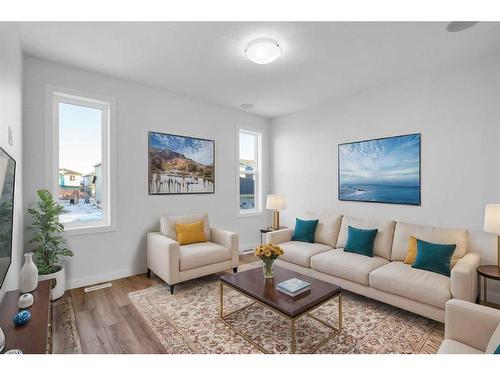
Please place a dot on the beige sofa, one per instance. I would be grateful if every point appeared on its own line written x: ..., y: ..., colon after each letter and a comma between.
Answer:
x: 384, y: 277
x: 470, y: 328
x: 175, y: 263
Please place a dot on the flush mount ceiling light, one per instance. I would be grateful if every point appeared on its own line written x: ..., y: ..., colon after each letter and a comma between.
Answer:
x: 263, y: 50
x: 454, y: 27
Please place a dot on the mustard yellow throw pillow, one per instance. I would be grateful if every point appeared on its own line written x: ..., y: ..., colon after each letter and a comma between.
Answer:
x: 190, y: 233
x: 412, y: 250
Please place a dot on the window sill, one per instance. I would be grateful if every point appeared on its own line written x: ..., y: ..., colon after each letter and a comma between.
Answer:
x: 250, y: 214
x: 91, y: 229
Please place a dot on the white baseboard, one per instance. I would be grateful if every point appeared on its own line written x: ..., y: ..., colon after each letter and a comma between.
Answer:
x: 95, y: 279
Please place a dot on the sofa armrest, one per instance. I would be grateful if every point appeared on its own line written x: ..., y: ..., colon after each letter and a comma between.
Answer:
x: 279, y: 236
x: 229, y: 240
x: 469, y: 323
x: 163, y: 257
x: 463, y: 280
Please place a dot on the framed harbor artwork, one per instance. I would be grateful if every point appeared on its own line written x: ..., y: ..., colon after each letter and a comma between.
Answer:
x: 180, y: 165
x: 384, y: 170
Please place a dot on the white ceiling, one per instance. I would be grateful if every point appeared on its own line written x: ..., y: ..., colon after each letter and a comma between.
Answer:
x: 321, y: 60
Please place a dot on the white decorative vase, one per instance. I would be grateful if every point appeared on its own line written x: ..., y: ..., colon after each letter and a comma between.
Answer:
x: 59, y: 284
x: 29, y: 275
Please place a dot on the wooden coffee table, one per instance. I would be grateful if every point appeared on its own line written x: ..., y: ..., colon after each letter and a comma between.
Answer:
x: 253, y: 285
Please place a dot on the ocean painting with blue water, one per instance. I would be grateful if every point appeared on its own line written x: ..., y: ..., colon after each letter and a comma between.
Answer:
x: 385, y: 170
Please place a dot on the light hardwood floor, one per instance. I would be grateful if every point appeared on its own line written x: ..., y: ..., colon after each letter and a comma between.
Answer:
x: 106, y: 320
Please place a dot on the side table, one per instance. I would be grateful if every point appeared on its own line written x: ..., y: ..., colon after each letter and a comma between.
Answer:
x: 487, y: 272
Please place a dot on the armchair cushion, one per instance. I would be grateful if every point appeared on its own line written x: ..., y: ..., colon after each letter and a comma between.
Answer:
x: 202, y: 254
x: 190, y: 233
x: 454, y: 347
x: 167, y: 224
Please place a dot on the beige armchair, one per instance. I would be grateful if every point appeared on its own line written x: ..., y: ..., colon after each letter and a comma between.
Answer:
x: 470, y: 328
x: 175, y: 263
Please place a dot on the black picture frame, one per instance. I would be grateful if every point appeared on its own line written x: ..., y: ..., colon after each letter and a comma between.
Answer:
x: 419, y: 203
x: 10, y: 218
x: 188, y: 137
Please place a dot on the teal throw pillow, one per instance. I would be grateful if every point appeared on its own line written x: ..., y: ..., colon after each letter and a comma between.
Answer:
x: 304, y: 230
x: 434, y: 257
x: 497, y: 350
x: 360, y: 241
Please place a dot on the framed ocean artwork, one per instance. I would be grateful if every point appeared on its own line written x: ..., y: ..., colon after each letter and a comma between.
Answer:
x: 384, y: 170
x: 180, y: 165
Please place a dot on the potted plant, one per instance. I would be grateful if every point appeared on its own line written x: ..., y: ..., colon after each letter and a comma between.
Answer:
x: 49, y: 242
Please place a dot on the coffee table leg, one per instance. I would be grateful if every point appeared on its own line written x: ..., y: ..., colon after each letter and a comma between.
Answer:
x: 221, y: 305
x: 292, y: 322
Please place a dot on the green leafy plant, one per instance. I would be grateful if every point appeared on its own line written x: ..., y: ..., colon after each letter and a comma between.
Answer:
x: 46, y: 234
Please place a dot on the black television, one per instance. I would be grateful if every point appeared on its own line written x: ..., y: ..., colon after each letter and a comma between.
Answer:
x: 7, y: 186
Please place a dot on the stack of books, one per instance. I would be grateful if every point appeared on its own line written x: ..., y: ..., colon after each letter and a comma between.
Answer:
x: 293, y: 287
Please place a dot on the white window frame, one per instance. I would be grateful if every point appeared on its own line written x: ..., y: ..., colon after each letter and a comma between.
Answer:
x: 257, y: 172
x: 54, y: 96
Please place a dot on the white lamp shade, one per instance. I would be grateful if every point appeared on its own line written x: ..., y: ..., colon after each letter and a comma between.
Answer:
x: 275, y: 202
x: 492, y: 218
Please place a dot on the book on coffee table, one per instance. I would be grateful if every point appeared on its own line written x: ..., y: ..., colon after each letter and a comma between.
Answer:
x: 293, y: 287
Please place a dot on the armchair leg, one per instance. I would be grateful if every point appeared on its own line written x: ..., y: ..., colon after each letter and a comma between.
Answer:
x: 172, y: 287
x: 148, y: 274
x: 235, y: 269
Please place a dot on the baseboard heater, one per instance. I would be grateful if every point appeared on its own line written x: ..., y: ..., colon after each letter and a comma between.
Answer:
x: 97, y: 287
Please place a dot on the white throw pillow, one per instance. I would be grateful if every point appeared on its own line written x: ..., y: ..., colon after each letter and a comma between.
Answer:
x: 494, y: 341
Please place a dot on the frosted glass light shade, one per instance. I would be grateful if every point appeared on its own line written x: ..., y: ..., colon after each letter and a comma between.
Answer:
x: 492, y: 218
x: 263, y: 50
x: 275, y: 202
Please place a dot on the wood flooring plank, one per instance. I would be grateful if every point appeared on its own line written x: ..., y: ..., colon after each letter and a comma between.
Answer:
x: 93, y: 337
x: 81, y: 302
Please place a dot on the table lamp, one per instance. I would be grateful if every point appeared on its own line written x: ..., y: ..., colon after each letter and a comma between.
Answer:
x: 276, y: 202
x: 492, y: 224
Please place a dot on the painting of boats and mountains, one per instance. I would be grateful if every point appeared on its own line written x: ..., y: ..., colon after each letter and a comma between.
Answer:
x: 383, y: 170
x: 180, y: 165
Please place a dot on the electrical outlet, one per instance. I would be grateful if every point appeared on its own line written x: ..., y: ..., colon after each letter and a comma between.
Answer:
x: 11, y: 137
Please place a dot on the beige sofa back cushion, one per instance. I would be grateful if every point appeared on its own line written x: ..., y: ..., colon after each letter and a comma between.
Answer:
x: 403, y: 231
x: 383, y: 241
x: 167, y: 224
x: 327, y: 230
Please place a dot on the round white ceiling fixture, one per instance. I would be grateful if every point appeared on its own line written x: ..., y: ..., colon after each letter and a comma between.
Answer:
x: 246, y: 106
x: 457, y: 26
x: 263, y: 50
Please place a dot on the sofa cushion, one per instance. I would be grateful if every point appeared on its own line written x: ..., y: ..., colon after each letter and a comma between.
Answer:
x: 327, y: 230
x: 494, y: 342
x: 201, y: 254
x: 419, y: 285
x: 301, y: 252
x: 403, y: 231
x: 383, y: 240
x: 454, y: 347
x: 349, y: 266
x: 167, y: 224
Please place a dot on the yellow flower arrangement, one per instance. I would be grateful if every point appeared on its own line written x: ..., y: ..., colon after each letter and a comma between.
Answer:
x: 268, y: 251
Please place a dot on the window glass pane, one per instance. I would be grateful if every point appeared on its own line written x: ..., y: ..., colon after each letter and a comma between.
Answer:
x: 247, y: 170
x: 80, y: 169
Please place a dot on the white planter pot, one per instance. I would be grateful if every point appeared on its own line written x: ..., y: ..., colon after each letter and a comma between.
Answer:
x: 28, y: 277
x: 60, y: 283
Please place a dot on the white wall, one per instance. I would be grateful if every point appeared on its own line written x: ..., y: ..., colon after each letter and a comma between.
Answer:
x: 458, y: 113
x: 10, y: 115
x: 139, y: 109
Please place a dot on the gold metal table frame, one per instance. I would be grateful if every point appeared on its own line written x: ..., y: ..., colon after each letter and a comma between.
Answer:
x: 336, y: 330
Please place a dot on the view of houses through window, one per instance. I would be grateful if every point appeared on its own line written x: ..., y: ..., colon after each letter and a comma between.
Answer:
x: 248, y: 171
x: 80, y: 168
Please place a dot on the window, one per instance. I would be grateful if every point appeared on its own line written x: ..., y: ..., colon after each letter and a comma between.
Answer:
x: 249, y: 172
x: 81, y: 161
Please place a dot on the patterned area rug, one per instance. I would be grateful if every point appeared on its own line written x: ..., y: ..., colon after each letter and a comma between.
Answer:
x: 188, y: 322
x: 67, y: 339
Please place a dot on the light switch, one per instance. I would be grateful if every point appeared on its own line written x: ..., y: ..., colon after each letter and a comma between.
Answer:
x: 11, y: 137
